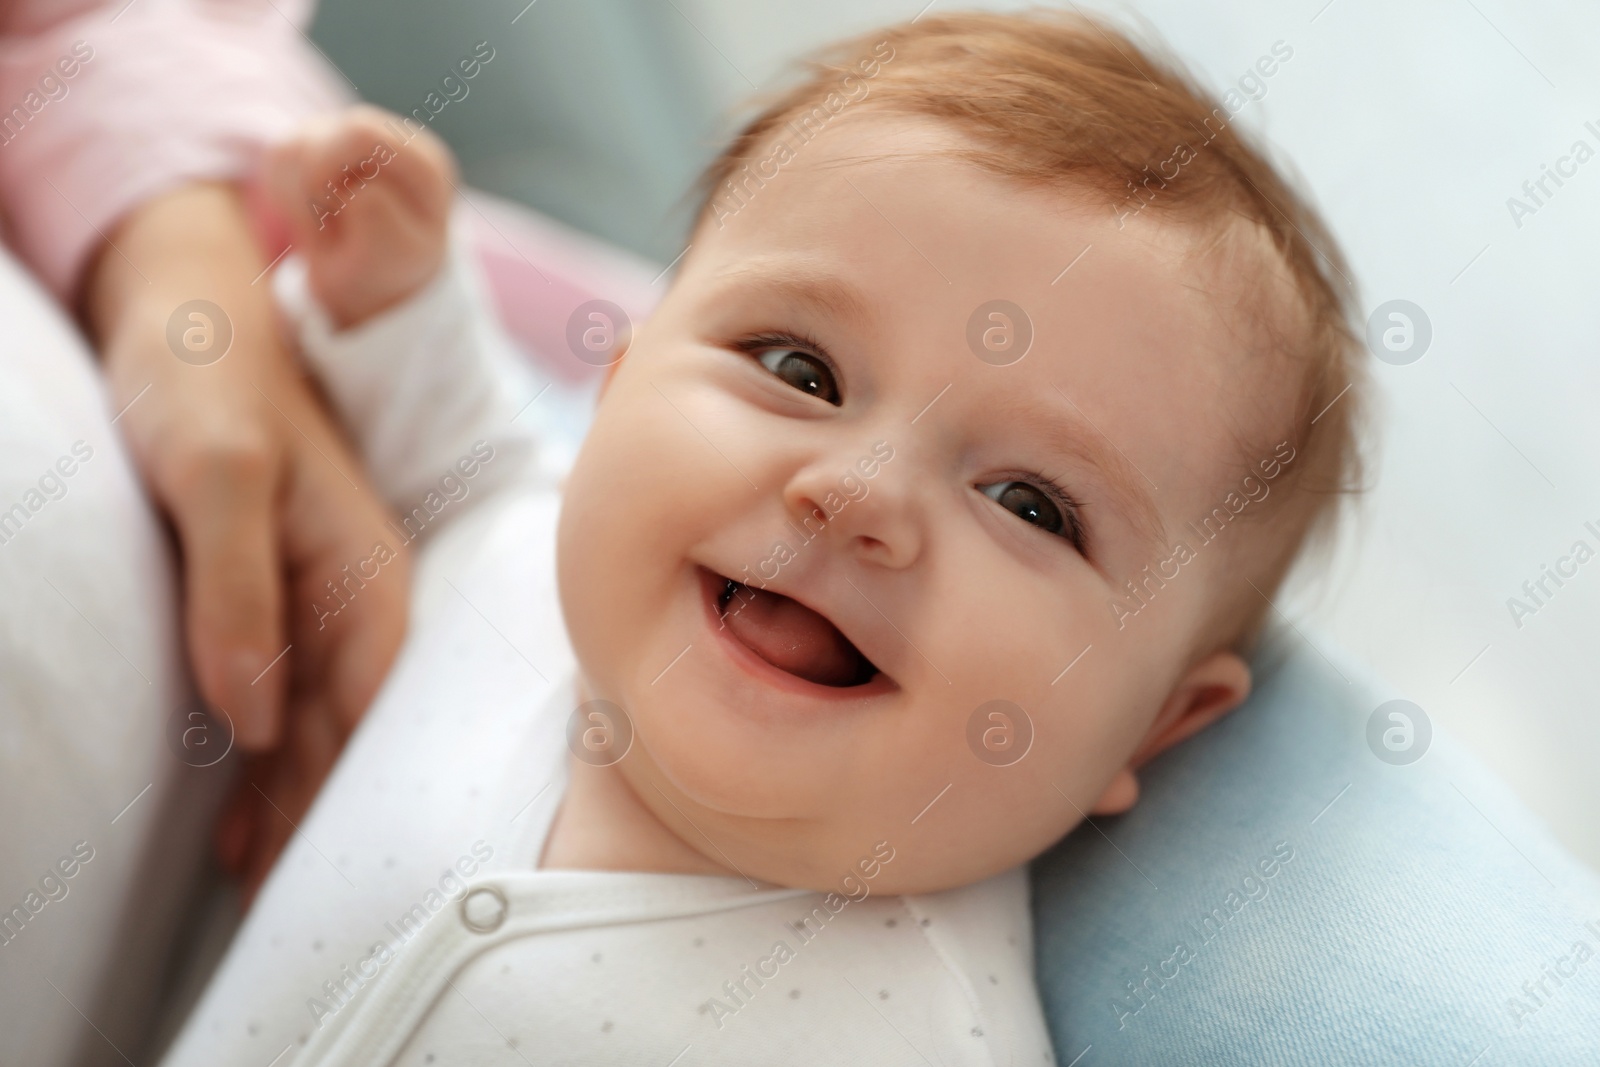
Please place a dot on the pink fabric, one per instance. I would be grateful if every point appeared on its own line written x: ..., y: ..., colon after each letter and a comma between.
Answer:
x: 166, y: 92
x: 173, y: 91
x: 539, y: 272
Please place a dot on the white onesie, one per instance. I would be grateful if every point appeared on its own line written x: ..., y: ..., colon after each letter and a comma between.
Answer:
x: 407, y: 924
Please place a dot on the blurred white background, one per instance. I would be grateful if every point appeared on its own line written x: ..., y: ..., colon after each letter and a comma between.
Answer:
x: 1410, y: 122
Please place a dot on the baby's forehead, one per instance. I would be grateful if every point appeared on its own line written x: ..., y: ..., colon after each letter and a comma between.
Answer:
x: 886, y: 190
x: 869, y: 180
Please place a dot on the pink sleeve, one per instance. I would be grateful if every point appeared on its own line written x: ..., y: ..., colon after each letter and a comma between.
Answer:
x: 105, y: 104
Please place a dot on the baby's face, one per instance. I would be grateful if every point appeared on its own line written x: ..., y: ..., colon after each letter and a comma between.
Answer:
x: 819, y: 355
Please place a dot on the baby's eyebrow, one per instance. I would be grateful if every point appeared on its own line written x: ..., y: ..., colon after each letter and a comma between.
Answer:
x: 1067, y: 431
x: 804, y: 284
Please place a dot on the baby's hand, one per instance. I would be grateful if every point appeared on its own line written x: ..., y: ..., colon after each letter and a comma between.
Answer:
x: 368, y: 209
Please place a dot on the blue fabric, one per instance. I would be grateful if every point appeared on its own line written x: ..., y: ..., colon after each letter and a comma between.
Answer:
x: 1413, y: 922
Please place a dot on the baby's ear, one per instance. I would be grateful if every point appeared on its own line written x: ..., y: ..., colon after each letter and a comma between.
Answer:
x: 1209, y: 690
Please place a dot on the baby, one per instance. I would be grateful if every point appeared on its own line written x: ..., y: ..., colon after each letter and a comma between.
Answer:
x: 996, y: 392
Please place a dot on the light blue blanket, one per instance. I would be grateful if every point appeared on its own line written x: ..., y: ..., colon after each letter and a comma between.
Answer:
x: 1282, y: 896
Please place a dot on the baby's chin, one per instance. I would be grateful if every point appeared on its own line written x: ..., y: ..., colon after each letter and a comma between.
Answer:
x: 844, y: 853
x: 804, y: 809
x: 882, y: 867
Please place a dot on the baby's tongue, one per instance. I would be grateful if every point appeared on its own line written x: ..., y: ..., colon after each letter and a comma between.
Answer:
x: 792, y: 637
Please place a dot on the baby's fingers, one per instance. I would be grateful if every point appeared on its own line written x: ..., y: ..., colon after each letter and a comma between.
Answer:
x: 311, y: 175
x: 421, y: 171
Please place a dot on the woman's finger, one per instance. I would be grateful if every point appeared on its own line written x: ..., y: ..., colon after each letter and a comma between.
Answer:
x: 223, y: 504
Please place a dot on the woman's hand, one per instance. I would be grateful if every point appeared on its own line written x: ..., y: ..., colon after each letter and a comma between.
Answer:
x: 268, y: 504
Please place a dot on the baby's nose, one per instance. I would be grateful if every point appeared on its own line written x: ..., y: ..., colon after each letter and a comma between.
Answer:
x: 860, y: 502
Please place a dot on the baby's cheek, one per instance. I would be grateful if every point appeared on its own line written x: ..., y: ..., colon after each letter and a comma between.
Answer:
x: 648, y: 457
x: 616, y: 526
x: 1090, y: 723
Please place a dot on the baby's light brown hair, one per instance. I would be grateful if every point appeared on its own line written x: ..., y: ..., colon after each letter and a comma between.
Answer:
x: 1068, y: 101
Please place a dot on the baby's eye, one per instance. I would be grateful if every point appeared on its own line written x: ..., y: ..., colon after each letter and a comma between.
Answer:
x: 801, y: 369
x: 1036, y: 507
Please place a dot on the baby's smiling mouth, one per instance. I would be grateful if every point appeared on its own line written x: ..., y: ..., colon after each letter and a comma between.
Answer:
x: 792, y: 637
